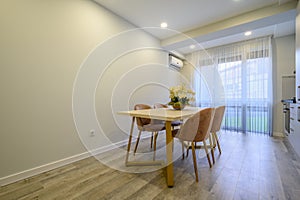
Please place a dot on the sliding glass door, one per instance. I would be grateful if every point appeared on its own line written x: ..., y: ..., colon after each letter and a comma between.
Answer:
x: 246, y: 89
x: 245, y: 71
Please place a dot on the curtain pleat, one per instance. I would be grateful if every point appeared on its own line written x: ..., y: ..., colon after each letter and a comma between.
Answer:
x: 240, y: 76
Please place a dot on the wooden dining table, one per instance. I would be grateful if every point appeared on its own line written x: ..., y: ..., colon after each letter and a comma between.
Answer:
x: 165, y: 114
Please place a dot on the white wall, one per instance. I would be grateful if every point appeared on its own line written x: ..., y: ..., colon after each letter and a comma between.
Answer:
x: 284, y: 64
x: 43, y: 44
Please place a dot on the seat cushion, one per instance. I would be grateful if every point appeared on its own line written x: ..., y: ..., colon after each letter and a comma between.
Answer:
x: 176, y: 123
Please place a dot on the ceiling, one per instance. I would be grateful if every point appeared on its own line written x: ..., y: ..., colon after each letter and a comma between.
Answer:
x: 199, y: 18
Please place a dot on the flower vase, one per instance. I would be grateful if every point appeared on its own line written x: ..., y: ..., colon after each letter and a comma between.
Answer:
x: 178, y: 106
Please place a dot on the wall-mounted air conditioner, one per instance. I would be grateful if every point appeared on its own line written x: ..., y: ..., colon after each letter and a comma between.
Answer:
x: 175, y: 62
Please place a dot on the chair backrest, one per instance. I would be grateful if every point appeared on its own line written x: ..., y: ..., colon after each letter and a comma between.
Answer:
x: 160, y: 105
x: 218, y: 118
x: 197, y: 128
x: 142, y: 121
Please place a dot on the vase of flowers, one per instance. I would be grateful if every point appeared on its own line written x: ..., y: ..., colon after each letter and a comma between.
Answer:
x: 181, y: 96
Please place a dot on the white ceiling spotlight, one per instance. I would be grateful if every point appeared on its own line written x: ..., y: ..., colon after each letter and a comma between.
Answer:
x: 164, y: 25
x: 248, y: 33
x: 192, y: 46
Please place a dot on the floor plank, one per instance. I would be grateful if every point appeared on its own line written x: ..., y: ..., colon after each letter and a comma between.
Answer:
x: 250, y: 167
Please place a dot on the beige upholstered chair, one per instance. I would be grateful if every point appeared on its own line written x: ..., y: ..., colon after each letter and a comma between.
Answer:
x: 147, y: 125
x: 196, y: 129
x: 174, y: 123
x: 216, y: 125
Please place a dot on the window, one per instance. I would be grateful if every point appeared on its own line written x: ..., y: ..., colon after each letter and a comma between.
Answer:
x: 245, y: 74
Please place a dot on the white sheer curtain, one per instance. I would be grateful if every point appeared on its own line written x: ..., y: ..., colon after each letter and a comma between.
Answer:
x: 240, y: 76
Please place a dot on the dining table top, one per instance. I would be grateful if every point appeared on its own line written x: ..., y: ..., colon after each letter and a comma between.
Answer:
x: 166, y: 114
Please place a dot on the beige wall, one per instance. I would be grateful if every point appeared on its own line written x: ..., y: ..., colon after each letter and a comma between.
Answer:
x: 298, y: 53
x: 43, y: 44
x: 130, y: 80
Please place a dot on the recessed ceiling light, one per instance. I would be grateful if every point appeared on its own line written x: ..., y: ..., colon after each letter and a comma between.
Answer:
x: 164, y: 25
x: 192, y: 46
x: 248, y: 33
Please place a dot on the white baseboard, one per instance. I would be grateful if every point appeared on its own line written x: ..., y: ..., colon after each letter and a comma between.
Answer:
x: 278, y: 134
x: 59, y: 163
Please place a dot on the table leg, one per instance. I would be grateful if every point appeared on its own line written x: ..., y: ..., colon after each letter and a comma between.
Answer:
x: 169, y: 168
x: 129, y: 140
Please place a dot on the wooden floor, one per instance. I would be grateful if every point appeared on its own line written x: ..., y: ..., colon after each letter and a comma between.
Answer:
x: 250, y: 167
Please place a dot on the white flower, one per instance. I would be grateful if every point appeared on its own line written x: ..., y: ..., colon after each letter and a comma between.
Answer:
x: 181, y: 94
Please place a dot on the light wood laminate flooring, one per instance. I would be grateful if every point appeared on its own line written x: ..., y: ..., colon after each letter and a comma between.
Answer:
x: 250, y: 167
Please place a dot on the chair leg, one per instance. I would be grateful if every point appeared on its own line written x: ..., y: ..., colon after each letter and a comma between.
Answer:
x: 187, y: 150
x: 137, y: 142
x: 195, y: 162
x: 154, y: 148
x: 173, y: 146
x: 207, y: 153
x: 182, y: 148
x: 217, y: 140
x: 151, y: 143
x: 211, y: 148
x: 213, y: 141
